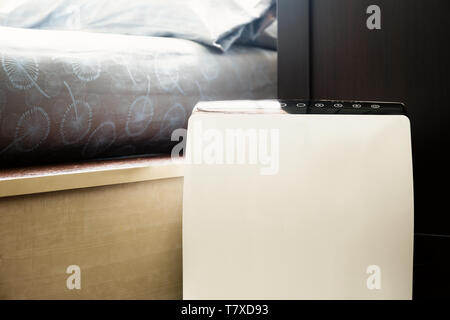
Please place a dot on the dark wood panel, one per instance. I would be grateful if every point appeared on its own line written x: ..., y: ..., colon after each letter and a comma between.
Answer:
x: 293, y: 49
x: 407, y: 60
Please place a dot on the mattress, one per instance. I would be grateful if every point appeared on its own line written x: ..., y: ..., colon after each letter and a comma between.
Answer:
x: 67, y: 95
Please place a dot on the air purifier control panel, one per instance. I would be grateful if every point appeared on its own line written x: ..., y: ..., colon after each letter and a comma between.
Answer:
x: 342, y: 107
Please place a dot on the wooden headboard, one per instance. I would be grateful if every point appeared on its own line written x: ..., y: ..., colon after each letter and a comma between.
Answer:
x: 294, y: 49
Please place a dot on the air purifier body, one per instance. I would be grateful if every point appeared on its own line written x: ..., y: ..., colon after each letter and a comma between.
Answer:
x: 298, y: 200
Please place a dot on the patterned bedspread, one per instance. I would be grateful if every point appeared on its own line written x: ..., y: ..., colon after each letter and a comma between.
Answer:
x: 68, y: 95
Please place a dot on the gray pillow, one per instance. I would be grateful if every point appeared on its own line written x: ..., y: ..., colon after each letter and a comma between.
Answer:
x: 266, y: 39
x: 217, y: 23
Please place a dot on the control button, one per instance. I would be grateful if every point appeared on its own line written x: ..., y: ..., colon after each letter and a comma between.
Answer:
x: 338, y: 105
x: 283, y: 104
x: 356, y: 105
x: 301, y: 105
x: 375, y: 106
x: 319, y: 105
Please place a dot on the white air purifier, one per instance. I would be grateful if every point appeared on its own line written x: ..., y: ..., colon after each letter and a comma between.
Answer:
x: 298, y: 200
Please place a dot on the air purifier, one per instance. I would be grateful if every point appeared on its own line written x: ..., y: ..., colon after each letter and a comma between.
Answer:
x: 298, y: 200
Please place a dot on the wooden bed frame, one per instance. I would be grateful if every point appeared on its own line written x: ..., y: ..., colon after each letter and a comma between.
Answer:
x: 118, y: 220
x: 294, y: 49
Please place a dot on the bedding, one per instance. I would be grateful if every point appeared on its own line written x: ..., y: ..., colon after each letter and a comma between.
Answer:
x: 217, y: 23
x: 67, y: 95
x: 267, y: 39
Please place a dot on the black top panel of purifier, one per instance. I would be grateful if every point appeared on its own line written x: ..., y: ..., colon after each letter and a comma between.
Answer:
x: 342, y: 107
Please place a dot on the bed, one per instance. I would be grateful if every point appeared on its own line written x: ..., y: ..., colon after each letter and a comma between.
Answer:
x: 87, y: 110
x: 68, y: 95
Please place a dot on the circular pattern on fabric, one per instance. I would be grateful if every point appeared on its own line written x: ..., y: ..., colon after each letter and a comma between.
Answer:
x: 22, y: 71
x: 76, y: 122
x: 100, y: 139
x: 140, y: 116
x: 173, y: 119
x: 86, y: 69
x: 32, y: 129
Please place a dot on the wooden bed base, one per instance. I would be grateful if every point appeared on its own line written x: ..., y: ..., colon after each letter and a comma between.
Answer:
x: 119, y: 221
